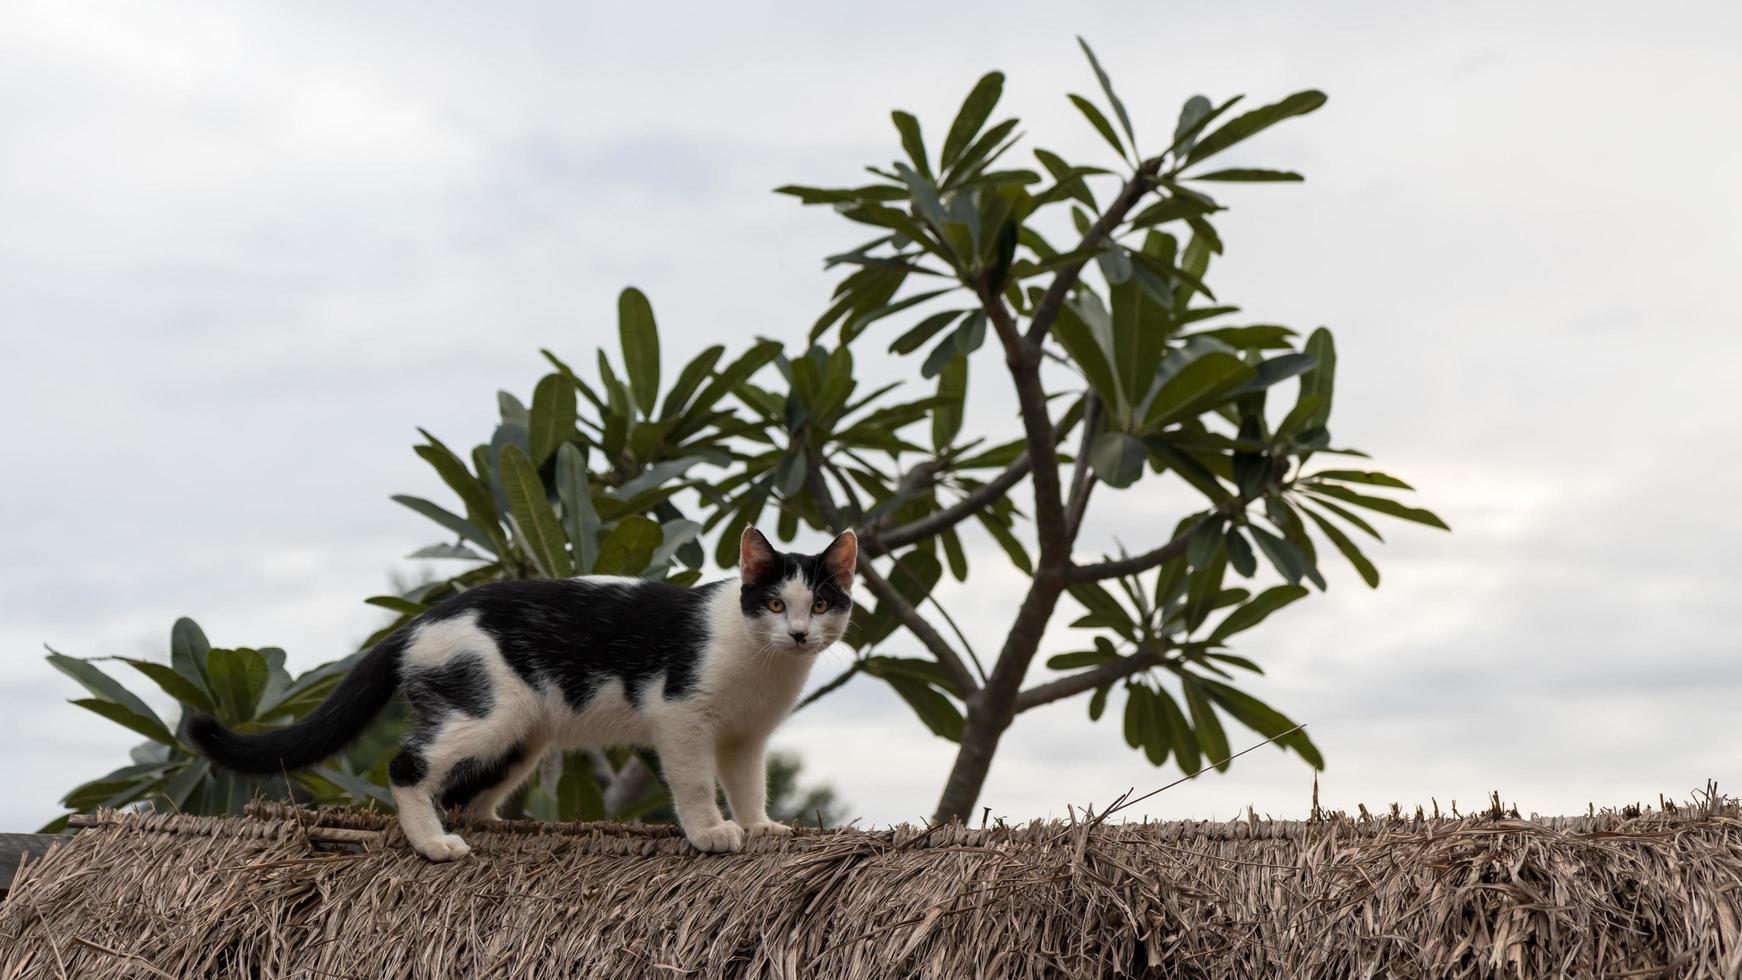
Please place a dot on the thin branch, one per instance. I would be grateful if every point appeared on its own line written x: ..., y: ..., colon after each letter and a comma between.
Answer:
x: 1082, y: 480
x: 1087, y: 680
x: 942, y: 520
x: 916, y: 624
x: 973, y: 657
x: 1049, y: 511
x: 845, y: 676
x: 1159, y: 556
x: 1136, y: 563
x: 1047, y: 310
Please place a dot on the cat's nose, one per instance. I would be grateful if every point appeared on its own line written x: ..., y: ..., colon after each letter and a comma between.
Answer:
x: 797, y: 635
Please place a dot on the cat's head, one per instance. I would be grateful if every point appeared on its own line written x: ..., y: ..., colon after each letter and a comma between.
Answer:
x: 794, y: 603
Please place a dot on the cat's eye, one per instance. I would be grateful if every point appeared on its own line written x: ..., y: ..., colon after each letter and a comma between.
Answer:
x: 819, y: 607
x: 775, y: 605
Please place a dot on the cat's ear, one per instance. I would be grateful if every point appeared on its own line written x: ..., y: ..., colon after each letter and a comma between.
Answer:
x: 841, y: 558
x: 755, y: 555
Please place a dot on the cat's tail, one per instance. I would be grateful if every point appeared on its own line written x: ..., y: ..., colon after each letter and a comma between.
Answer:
x: 334, y: 724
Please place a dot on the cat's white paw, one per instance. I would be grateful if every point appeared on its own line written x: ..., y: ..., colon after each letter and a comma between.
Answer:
x: 723, y: 836
x: 773, y: 827
x: 443, y: 847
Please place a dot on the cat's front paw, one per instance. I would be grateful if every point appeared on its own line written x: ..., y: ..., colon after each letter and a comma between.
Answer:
x: 720, y: 838
x: 774, y: 827
x: 443, y: 847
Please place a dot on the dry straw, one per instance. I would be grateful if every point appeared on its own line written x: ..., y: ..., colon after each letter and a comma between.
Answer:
x: 293, y: 893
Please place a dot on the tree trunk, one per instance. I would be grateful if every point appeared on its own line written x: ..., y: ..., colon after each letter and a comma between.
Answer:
x: 993, y: 707
x: 980, y: 735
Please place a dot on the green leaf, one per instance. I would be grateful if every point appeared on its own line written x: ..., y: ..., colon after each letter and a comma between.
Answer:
x: 453, y: 522
x: 1249, y: 175
x: 1136, y: 702
x: 1176, y: 733
x: 578, y: 796
x: 1283, y: 556
x: 936, y: 711
x: 1001, y: 533
x: 183, y: 784
x: 477, y: 496
x: 580, y: 521
x: 1360, y: 476
x: 146, y: 724
x: 1383, y: 506
x: 540, y: 531
x: 728, y: 379
x: 106, y: 688
x: 552, y: 419
x: 1205, y: 725
x: 1263, y: 719
x: 975, y: 108
x: 1112, y: 99
x: 174, y: 684
x: 689, y: 379
x: 1321, y: 379
x: 1078, y: 659
x: 1077, y: 336
x: 1195, y: 386
x: 1117, y: 458
x: 1254, y: 612
x: 238, y: 677
x: 913, y: 339
x: 1098, y: 702
x: 1344, y: 544
x: 911, y: 141
x: 629, y: 548
x: 187, y: 652
x: 360, y: 790
x: 640, y: 339
x: 1097, y: 120
x: 946, y: 417
x: 1191, y: 118
x: 1254, y: 122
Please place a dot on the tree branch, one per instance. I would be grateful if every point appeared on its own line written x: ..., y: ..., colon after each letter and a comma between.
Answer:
x: 1047, y: 310
x: 1049, y: 511
x: 1138, y: 563
x: 1082, y: 481
x: 1087, y: 680
x: 916, y: 624
x: 1166, y: 553
x: 942, y: 520
x: 845, y: 676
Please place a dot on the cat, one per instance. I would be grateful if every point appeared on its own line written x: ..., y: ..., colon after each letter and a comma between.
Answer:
x: 499, y: 673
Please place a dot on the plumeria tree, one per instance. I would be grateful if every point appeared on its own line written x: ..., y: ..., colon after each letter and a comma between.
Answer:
x: 1126, y: 371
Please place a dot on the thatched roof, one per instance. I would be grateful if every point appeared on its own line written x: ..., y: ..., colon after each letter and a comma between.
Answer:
x: 287, y: 893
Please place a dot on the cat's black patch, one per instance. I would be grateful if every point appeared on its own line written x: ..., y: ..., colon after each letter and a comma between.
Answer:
x: 407, y: 768
x: 462, y: 684
x: 580, y: 634
x: 470, y: 777
x: 753, y: 595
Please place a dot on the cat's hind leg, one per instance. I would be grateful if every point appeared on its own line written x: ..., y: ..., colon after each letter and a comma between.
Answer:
x: 484, y: 798
x: 455, y: 762
x: 411, y: 784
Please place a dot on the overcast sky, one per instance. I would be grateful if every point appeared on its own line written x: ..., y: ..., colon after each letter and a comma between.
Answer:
x: 245, y: 249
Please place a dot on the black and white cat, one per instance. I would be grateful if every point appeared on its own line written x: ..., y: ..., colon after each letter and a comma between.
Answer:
x: 502, y: 672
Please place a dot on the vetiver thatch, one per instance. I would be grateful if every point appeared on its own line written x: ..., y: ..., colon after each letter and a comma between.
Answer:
x: 278, y: 895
